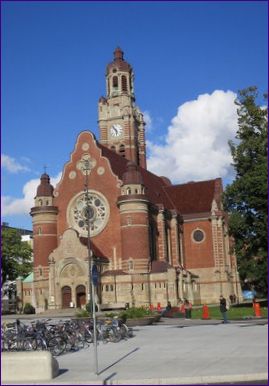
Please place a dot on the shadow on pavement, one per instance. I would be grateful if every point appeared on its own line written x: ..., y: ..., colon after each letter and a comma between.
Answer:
x: 120, y: 359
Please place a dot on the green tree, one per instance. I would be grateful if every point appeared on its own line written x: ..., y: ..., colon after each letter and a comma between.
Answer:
x: 16, y: 255
x: 246, y: 198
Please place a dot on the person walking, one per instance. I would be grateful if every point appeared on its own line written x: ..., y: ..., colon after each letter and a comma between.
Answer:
x: 187, y: 307
x: 223, y: 308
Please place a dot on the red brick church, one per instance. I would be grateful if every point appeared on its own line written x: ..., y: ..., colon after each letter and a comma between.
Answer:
x: 153, y: 241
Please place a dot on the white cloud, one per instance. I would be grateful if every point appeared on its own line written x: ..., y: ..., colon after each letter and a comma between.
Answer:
x: 11, y: 165
x: 148, y: 120
x: 196, y: 144
x: 16, y: 206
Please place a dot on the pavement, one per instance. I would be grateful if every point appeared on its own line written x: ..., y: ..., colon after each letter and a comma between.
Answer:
x: 173, y: 352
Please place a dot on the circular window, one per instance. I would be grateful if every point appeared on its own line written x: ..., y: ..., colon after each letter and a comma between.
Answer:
x: 198, y: 235
x: 96, y: 213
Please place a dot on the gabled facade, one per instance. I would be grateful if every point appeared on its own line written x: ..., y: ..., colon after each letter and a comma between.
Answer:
x: 154, y: 241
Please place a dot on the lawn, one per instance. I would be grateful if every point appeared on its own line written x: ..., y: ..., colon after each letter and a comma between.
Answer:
x: 235, y: 312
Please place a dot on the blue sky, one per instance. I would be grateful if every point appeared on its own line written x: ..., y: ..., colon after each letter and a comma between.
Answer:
x: 189, y: 59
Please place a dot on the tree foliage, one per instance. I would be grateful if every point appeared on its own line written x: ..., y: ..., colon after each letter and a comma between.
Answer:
x: 16, y: 255
x: 246, y: 198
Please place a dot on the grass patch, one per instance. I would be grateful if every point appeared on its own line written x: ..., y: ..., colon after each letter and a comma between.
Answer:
x: 233, y: 313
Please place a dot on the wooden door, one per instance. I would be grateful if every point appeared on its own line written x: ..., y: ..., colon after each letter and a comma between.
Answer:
x: 66, y: 296
x: 81, y: 295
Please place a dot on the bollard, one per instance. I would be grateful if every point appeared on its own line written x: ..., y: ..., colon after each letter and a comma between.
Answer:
x: 257, y: 310
x: 205, y: 312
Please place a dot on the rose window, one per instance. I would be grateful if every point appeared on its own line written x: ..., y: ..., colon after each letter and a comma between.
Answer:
x: 96, y: 213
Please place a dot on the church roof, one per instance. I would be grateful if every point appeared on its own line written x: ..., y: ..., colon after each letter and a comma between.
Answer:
x: 44, y: 188
x: 154, y: 185
x: 189, y: 198
x: 119, y: 62
x: 193, y: 197
x: 29, y: 278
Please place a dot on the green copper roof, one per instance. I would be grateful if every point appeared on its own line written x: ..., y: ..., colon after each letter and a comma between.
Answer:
x: 29, y: 278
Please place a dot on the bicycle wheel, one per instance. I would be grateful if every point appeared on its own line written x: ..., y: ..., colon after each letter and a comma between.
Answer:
x: 124, y: 331
x: 79, y: 341
x: 26, y: 344
x: 56, y: 345
x: 115, y: 335
x: 130, y: 332
x: 39, y: 344
x: 88, y: 336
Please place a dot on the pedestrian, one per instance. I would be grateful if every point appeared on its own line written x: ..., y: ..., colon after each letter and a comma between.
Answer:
x: 187, y: 307
x: 223, y: 308
x: 167, y: 309
x: 169, y: 306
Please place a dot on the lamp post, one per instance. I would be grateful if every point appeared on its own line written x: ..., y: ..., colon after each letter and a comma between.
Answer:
x: 91, y: 294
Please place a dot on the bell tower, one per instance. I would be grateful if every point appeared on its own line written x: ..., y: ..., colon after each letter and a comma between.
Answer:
x: 121, y: 123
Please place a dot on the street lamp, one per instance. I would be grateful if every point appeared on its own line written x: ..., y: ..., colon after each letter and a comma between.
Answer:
x: 91, y: 294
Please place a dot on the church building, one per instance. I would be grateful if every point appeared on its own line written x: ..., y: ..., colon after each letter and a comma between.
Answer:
x: 151, y: 241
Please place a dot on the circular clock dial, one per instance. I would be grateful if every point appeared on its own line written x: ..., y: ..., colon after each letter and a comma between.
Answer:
x: 116, y: 130
x: 96, y: 212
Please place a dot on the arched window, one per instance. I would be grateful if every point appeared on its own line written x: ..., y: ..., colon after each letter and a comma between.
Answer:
x: 113, y: 148
x: 128, y: 191
x: 124, y: 83
x: 40, y: 202
x: 115, y: 82
x: 122, y: 150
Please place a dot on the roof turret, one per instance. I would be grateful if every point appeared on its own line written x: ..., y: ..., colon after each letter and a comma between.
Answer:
x: 119, y: 63
x: 44, y: 188
x: 132, y: 175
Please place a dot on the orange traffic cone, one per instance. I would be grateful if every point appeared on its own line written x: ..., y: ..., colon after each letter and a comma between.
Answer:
x: 159, y: 307
x: 257, y: 310
x: 205, y: 312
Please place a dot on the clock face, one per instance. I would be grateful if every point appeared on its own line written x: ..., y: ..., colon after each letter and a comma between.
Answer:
x: 116, y: 130
x: 96, y: 213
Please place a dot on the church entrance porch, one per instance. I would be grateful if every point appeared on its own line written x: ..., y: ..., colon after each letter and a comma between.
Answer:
x: 80, y: 296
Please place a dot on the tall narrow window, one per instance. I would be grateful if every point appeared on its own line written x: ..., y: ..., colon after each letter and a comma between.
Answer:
x: 152, y: 241
x: 123, y: 84
x: 115, y: 82
x: 122, y: 150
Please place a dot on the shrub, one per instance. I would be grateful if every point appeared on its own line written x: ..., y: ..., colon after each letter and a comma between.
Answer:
x: 110, y: 314
x: 89, y: 307
x: 83, y: 314
x: 28, y: 309
x: 135, y: 312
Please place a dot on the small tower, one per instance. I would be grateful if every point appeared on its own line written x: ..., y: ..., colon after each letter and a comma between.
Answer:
x: 44, y: 217
x: 121, y: 123
x: 133, y: 206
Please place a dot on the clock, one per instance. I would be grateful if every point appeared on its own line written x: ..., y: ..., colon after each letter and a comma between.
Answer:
x: 96, y: 213
x: 116, y: 130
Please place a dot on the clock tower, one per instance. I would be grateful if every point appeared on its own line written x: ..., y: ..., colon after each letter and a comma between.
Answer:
x: 121, y: 123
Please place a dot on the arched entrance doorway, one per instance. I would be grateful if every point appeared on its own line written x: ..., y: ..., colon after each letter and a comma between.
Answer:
x: 66, y: 296
x: 81, y: 296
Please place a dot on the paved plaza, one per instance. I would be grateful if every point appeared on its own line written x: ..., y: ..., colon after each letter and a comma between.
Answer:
x: 174, y: 351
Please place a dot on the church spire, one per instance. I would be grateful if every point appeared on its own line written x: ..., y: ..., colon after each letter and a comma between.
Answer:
x: 121, y: 122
